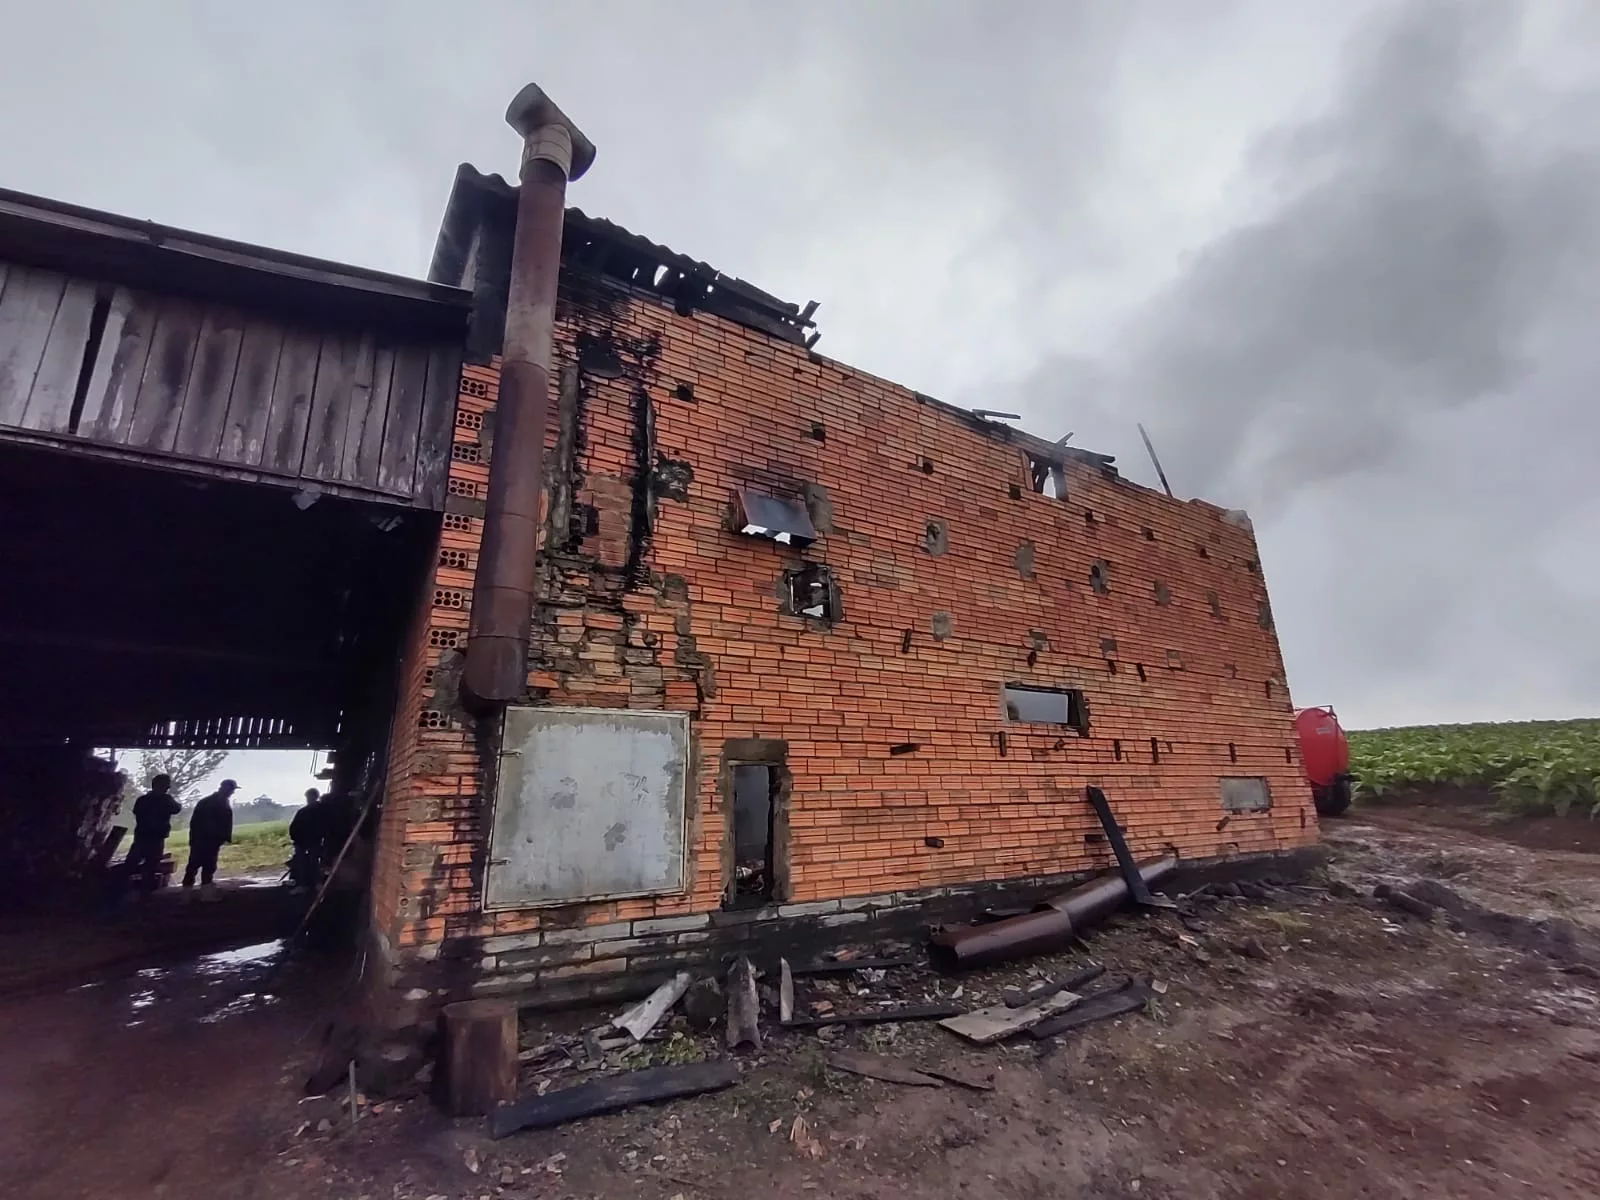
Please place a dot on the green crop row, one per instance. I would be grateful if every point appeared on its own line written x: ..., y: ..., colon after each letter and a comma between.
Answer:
x: 1532, y: 766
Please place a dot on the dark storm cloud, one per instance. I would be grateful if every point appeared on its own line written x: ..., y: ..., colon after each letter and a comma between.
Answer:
x: 1413, y: 249
x: 1421, y: 251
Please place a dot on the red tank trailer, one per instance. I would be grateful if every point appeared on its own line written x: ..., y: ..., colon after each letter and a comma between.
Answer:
x: 1326, y: 754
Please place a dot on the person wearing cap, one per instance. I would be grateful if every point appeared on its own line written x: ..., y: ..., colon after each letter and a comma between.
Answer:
x: 210, y: 828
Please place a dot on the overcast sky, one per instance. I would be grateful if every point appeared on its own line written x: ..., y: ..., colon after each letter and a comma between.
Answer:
x: 1340, y: 257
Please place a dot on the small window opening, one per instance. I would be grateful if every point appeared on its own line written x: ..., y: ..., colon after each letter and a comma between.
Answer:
x: 1047, y: 706
x: 754, y: 802
x: 927, y: 466
x: 1111, y: 666
x: 813, y: 593
x: 1149, y: 534
x: 1246, y: 794
x: 819, y: 432
x: 1155, y: 751
x: 1100, y: 576
x: 1288, y: 754
x: 1015, y: 492
x: 1266, y: 687
x: 1088, y: 517
x: 1233, y: 752
x: 1139, y: 667
x: 1202, y: 551
x: 1048, y: 478
x: 782, y: 519
x: 1116, y: 749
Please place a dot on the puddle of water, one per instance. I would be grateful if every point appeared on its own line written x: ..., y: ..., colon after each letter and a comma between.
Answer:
x: 243, y: 1003
x: 226, y: 961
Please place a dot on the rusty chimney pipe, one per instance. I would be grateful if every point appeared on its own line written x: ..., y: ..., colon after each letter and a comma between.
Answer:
x: 554, y: 150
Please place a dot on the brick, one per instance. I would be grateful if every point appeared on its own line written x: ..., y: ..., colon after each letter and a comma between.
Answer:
x: 587, y: 933
x: 518, y: 941
x: 626, y: 946
x: 845, y: 918
x: 812, y: 909
x: 671, y: 924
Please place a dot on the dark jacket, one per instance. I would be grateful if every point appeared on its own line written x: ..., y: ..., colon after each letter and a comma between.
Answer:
x: 212, y: 822
x: 305, y: 828
x: 153, y: 813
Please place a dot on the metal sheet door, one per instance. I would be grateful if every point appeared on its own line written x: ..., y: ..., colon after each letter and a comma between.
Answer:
x: 589, y: 806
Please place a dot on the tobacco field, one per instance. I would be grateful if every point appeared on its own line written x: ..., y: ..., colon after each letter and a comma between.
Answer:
x: 1532, y: 766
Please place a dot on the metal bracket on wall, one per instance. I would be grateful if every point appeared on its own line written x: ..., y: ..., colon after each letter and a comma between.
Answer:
x: 1141, y: 893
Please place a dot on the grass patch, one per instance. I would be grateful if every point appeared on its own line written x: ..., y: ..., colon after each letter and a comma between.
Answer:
x: 1532, y: 767
x: 258, y: 848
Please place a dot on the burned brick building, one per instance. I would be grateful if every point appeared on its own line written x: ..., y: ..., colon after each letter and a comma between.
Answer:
x: 644, y: 630
x: 807, y: 653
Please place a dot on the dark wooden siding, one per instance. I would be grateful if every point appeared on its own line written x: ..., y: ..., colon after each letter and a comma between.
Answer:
x: 206, y: 383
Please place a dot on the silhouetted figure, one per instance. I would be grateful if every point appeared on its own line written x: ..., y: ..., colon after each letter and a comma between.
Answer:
x: 336, y: 818
x: 152, y: 825
x: 210, y: 828
x: 305, y: 835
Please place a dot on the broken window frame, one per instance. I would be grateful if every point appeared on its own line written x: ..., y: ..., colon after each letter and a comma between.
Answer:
x: 773, y: 756
x: 784, y: 520
x: 822, y: 601
x: 1047, y: 477
x: 1075, y: 706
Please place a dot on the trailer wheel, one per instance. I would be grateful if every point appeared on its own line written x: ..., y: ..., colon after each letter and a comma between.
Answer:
x: 1333, y: 800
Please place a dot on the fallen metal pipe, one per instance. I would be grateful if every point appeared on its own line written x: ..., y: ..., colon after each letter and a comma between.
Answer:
x: 961, y: 947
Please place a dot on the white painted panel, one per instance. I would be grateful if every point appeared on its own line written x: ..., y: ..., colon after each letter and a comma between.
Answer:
x: 589, y: 805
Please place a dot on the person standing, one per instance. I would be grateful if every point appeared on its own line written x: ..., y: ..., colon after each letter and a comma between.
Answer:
x: 210, y: 828
x: 152, y: 825
x: 305, y: 835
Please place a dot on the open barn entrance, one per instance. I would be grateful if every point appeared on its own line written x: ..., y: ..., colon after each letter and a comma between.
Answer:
x: 147, y: 609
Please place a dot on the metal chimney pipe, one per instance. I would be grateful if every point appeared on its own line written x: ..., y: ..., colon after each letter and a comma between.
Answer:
x: 554, y: 150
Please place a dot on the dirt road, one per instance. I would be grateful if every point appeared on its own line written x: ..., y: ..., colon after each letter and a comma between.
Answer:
x: 1310, y: 1043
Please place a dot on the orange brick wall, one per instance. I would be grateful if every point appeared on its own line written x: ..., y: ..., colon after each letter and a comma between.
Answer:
x: 664, y: 607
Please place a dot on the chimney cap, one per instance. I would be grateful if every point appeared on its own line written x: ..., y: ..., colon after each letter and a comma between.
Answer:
x: 531, y: 110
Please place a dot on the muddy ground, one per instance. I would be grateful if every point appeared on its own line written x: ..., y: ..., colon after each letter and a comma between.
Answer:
x: 1312, y: 1043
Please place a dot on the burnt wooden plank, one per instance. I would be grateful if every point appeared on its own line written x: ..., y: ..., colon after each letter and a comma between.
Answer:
x: 166, y: 376
x: 205, y: 399
x: 27, y: 311
x: 56, y: 385
x: 118, y: 367
x: 880, y: 1066
x: 437, y: 428
x: 285, y: 446
x: 908, y: 1012
x: 369, y: 411
x: 1100, y: 1006
x: 612, y: 1094
x: 339, y: 370
x: 244, y: 428
x: 397, y: 462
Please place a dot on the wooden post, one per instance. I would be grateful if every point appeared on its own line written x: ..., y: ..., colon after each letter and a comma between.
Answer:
x: 480, y: 1056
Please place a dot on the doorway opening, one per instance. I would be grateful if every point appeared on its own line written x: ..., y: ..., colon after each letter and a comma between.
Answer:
x: 755, y: 790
